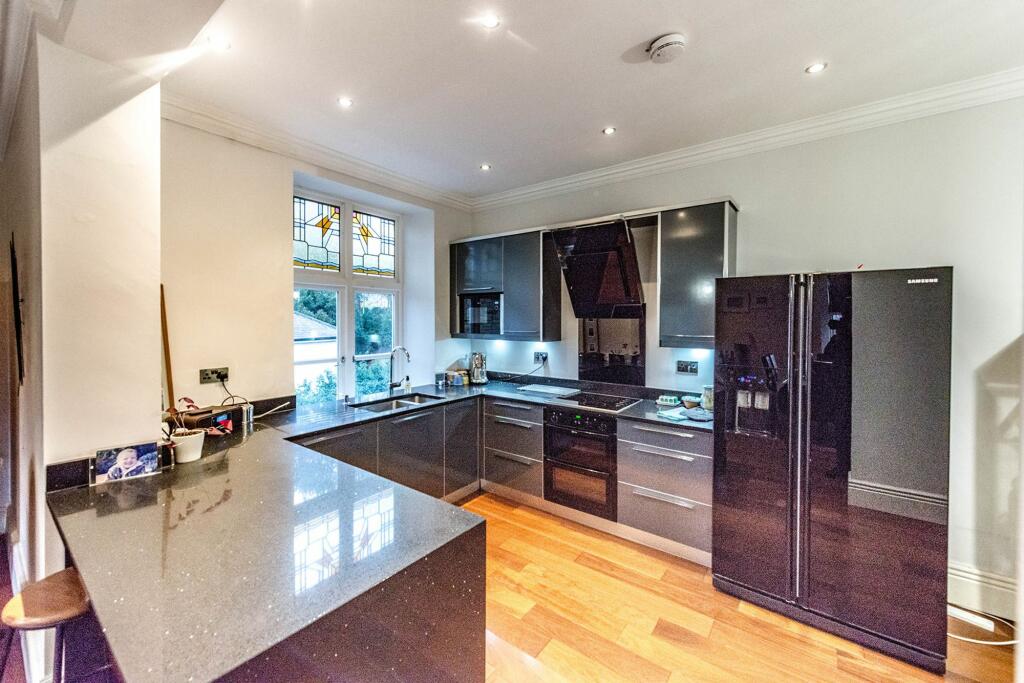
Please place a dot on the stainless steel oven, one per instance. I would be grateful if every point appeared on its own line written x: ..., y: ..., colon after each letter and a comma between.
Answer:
x: 580, y: 461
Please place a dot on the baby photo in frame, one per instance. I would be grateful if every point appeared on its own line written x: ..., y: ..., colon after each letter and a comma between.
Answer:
x: 125, y: 462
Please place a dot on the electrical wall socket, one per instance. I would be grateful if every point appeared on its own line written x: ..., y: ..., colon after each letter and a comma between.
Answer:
x: 686, y: 367
x: 540, y: 357
x: 213, y: 375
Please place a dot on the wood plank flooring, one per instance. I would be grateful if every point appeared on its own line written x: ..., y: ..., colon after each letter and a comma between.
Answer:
x: 568, y: 603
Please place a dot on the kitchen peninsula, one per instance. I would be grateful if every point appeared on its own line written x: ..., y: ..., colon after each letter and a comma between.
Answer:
x: 266, y: 560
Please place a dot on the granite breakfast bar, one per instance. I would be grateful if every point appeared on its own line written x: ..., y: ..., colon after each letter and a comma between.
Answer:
x: 268, y: 561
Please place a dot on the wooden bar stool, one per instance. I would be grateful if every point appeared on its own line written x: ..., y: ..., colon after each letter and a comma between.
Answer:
x: 51, y: 603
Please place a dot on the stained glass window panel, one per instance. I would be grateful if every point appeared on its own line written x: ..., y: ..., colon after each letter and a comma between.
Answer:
x: 316, y: 234
x: 373, y: 245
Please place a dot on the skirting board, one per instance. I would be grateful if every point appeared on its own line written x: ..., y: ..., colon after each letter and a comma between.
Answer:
x: 700, y: 557
x: 982, y: 591
x: 459, y: 494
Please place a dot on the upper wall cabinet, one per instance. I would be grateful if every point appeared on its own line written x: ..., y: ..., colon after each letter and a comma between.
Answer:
x: 506, y: 288
x: 478, y: 265
x: 696, y: 245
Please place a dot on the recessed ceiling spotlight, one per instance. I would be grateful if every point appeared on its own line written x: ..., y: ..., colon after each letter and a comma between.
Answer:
x: 345, y: 102
x: 609, y: 130
x: 816, y: 68
x: 490, y: 21
x: 485, y: 167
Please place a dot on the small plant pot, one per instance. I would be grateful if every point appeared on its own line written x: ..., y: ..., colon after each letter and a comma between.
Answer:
x: 188, y: 444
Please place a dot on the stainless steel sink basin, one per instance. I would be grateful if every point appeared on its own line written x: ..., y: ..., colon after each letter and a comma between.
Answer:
x: 418, y: 398
x: 396, y: 403
x: 384, y: 406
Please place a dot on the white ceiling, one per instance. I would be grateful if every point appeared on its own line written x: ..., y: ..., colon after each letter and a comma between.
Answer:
x: 436, y: 94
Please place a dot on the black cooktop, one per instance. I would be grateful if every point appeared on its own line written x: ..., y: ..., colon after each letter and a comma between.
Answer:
x: 613, y: 404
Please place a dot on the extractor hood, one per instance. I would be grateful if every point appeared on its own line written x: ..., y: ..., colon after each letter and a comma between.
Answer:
x: 601, y: 271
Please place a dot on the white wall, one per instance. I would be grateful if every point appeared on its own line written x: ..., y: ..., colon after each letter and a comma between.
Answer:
x: 20, y: 201
x: 942, y: 190
x: 100, y: 147
x: 80, y: 187
x: 226, y: 211
x: 226, y: 263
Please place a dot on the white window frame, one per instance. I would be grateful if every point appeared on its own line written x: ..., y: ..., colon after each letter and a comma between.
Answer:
x: 349, y: 283
x: 340, y: 313
x: 396, y: 319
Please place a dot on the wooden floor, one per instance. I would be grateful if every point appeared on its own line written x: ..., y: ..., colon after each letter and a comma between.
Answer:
x: 567, y: 603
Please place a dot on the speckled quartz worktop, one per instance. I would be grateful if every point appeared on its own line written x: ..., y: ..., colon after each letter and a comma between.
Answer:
x: 201, y: 568
x: 194, y: 571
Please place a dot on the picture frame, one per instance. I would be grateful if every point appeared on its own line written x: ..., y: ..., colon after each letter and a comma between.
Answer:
x: 124, y: 462
x: 16, y: 311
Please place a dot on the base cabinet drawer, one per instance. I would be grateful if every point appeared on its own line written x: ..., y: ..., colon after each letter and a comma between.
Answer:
x: 514, y: 471
x: 528, y: 412
x: 672, y: 517
x: 664, y: 436
x: 514, y: 436
x: 682, y: 474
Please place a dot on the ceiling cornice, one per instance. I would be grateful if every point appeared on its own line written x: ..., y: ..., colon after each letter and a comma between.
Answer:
x: 996, y: 87
x: 973, y: 92
x: 179, y: 110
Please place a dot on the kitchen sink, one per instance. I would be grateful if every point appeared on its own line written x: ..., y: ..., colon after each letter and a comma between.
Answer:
x: 396, y: 403
x: 419, y: 398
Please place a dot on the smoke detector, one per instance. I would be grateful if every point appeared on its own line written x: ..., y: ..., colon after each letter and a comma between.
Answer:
x: 666, y: 48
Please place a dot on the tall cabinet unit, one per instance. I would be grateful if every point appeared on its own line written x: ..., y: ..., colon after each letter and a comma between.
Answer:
x: 696, y: 244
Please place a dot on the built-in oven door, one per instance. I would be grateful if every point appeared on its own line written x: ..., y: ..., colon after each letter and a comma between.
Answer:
x: 580, y: 488
x: 579, y: 470
x: 580, y: 447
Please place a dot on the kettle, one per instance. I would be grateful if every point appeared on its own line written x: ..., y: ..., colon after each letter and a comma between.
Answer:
x: 477, y: 368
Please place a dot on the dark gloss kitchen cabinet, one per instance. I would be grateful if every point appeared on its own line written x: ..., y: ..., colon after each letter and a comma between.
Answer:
x: 354, y: 445
x: 478, y: 265
x: 696, y: 245
x: 506, y: 288
x: 514, y: 446
x: 521, y: 306
x: 461, y: 445
x: 412, y: 450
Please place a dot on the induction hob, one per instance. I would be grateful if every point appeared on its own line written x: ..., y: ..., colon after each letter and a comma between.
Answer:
x: 599, y: 402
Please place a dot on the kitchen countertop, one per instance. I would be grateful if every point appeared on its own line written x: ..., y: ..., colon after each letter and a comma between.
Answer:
x: 199, y: 569
x: 156, y: 553
x: 647, y: 411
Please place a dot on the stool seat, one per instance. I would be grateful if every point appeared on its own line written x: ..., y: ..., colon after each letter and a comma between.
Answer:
x: 53, y: 601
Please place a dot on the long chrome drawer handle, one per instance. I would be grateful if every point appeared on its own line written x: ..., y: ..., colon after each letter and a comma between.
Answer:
x: 664, y: 454
x: 514, y: 423
x: 330, y: 437
x: 512, y: 405
x: 414, y: 417
x: 522, y: 460
x: 655, y: 430
x: 664, y: 498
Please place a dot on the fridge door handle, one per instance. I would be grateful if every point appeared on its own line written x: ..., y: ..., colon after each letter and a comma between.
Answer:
x: 796, y: 342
